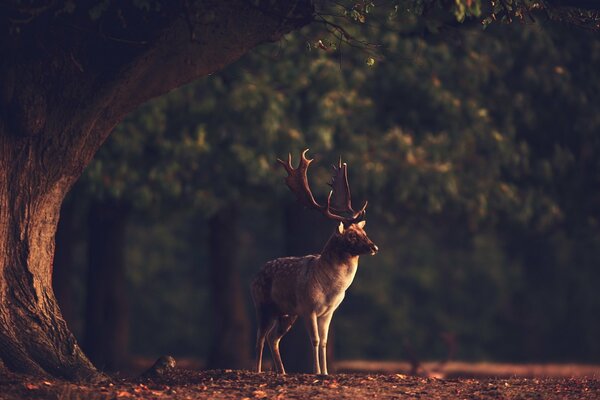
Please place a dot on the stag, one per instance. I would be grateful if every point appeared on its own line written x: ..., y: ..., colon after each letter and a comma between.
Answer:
x: 312, y: 286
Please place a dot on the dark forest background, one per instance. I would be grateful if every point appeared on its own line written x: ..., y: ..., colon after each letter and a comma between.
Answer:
x: 479, y: 153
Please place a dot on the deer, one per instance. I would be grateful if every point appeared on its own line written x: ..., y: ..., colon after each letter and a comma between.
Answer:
x: 311, y: 287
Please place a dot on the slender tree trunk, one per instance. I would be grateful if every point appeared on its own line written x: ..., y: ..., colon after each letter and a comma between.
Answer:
x: 230, y: 346
x: 106, y: 331
x: 306, y: 232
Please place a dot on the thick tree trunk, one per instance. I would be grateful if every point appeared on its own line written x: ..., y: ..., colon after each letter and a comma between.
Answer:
x: 106, y: 329
x: 34, y: 338
x: 230, y: 347
x: 68, y: 81
x: 306, y: 232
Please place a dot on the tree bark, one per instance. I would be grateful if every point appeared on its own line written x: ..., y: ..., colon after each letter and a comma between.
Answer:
x: 230, y: 346
x: 68, y: 81
x: 106, y: 329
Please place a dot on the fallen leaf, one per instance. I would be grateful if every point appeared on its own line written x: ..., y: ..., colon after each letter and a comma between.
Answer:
x: 47, y: 383
x: 123, y: 394
x: 31, y: 386
x: 260, y: 394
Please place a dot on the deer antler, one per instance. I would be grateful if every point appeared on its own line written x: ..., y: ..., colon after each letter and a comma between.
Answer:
x: 341, y: 200
x: 297, y: 181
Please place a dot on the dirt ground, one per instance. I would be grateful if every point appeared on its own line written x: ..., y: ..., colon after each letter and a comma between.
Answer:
x: 461, y: 369
x: 227, y: 384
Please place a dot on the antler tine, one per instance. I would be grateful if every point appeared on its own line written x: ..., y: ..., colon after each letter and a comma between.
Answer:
x: 288, y: 166
x: 360, y: 213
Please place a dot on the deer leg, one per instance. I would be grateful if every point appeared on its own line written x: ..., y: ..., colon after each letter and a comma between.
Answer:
x: 265, y: 324
x: 313, y: 331
x: 283, y: 325
x: 323, y: 325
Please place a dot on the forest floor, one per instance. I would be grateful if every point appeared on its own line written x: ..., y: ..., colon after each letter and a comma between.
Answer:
x: 228, y: 384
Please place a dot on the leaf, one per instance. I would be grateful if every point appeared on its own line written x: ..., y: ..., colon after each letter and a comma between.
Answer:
x: 370, y: 61
x: 260, y: 394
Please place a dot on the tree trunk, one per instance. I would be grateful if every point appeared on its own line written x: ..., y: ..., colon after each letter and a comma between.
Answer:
x: 34, y: 337
x: 306, y: 232
x: 231, y: 330
x: 106, y: 329
x: 68, y: 81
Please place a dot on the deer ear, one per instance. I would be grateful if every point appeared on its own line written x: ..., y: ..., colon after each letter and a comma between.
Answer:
x: 341, y: 228
x: 362, y: 224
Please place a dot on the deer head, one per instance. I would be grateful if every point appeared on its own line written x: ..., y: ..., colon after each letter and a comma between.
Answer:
x: 353, y: 240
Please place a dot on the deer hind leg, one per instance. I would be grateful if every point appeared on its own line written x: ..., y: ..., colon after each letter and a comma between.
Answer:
x: 282, y: 326
x: 323, y: 327
x: 265, y: 324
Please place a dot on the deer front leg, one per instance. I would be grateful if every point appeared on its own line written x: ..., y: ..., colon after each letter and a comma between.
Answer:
x: 323, y: 324
x: 313, y: 332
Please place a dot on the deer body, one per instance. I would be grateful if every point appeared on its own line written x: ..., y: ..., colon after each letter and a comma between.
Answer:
x: 309, y: 283
x: 312, y: 286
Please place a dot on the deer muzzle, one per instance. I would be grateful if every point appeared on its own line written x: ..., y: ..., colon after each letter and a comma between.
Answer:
x: 374, y: 249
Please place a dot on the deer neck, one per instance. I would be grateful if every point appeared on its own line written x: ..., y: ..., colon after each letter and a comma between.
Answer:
x: 337, y: 267
x: 335, y: 256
